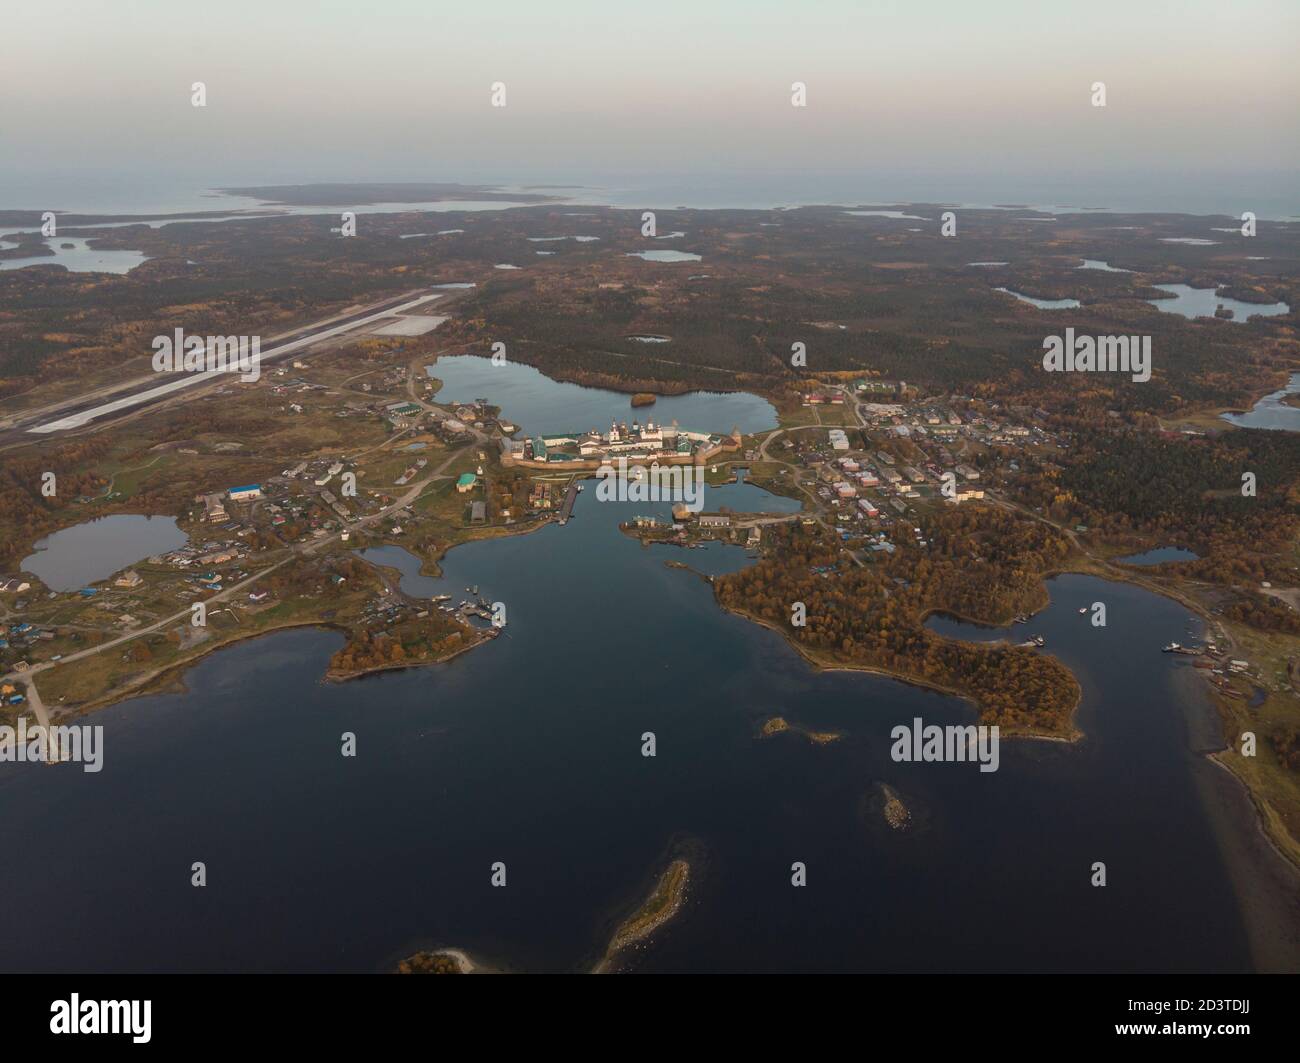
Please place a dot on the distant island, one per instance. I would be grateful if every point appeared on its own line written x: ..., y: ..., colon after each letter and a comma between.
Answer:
x: 364, y: 194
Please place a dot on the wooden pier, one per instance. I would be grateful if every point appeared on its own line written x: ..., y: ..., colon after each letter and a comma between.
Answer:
x: 571, y: 496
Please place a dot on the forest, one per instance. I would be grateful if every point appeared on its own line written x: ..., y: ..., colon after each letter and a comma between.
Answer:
x: 1181, y: 491
x: 861, y: 293
x: 985, y: 565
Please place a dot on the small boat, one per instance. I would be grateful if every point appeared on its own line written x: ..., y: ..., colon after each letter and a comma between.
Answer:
x: 1021, y: 618
x: 1038, y: 640
x: 1173, y: 647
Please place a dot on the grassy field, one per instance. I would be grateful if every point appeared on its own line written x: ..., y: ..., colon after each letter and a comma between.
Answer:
x: 100, y: 677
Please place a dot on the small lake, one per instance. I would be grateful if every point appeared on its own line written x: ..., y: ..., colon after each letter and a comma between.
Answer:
x: 440, y: 232
x: 86, y: 553
x: 80, y: 257
x: 665, y: 256
x: 1203, y: 302
x: 1043, y: 304
x: 1159, y: 556
x: 1105, y: 267
x: 1272, y: 411
x: 538, y: 404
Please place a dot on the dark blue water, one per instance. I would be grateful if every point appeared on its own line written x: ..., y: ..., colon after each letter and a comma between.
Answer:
x: 527, y: 751
x: 538, y: 404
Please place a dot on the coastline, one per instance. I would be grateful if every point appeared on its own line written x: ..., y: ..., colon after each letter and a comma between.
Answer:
x: 820, y: 665
x: 1266, y: 818
x: 1267, y: 822
x: 334, y: 676
x: 158, y: 680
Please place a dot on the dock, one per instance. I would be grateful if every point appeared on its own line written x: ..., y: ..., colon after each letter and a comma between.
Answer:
x: 570, y: 496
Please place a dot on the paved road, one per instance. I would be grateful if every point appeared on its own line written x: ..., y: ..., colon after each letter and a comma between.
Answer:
x: 103, y: 405
x: 37, y: 705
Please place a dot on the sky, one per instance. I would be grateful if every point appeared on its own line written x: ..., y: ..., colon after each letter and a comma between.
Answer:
x: 598, y: 90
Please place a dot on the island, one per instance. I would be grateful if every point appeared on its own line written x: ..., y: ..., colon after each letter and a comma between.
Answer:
x: 895, y: 812
x: 779, y: 725
x: 441, y: 961
x: 660, y: 908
